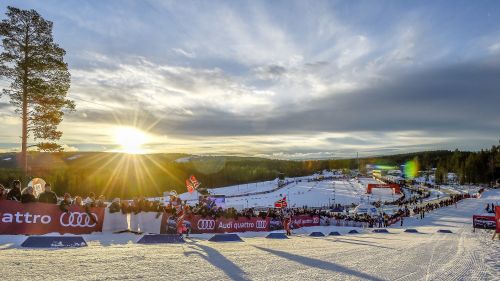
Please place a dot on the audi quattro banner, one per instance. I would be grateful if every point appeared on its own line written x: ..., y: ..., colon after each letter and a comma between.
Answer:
x: 347, y: 223
x: 304, y: 220
x: 296, y: 222
x: 41, y: 218
x: 199, y: 225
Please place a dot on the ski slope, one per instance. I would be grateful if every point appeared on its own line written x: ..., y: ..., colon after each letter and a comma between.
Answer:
x: 300, y: 192
x: 462, y: 255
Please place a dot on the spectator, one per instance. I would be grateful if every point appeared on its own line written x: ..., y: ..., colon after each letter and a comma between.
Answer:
x: 3, y: 192
x: 78, y: 201
x: 27, y: 196
x: 124, y: 205
x: 136, y: 206
x: 48, y: 196
x: 15, y: 193
x: 90, y: 200
x: 115, y: 206
x: 101, y: 202
x: 65, y: 203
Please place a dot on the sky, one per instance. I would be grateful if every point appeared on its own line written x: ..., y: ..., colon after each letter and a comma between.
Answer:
x: 278, y: 79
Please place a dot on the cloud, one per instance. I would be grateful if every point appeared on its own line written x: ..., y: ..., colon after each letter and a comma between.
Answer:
x: 283, y: 79
x: 269, y: 72
x: 166, y: 87
x: 494, y: 47
x: 185, y: 53
x: 440, y: 104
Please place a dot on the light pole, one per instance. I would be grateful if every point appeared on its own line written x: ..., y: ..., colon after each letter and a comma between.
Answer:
x: 334, y: 193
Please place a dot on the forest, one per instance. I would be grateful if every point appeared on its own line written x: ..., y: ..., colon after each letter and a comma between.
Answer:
x: 127, y: 176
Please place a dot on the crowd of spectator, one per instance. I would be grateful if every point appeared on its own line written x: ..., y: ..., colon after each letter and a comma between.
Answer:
x: 28, y: 195
x: 207, y: 208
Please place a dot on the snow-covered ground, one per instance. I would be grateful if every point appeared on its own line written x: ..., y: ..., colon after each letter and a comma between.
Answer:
x: 300, y: 193
x: 465, y: 189
x: 462, y: 255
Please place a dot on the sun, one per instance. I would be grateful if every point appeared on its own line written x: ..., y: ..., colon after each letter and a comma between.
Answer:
x: 131, y: 140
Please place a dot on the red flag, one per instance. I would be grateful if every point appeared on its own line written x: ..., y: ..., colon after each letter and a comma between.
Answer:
x: 194, y: 181
x: 281, y: 203
x: 189, y: 186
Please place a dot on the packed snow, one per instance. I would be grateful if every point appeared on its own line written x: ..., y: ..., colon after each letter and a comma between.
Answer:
x: 304, y: 191
x: 428, y: 255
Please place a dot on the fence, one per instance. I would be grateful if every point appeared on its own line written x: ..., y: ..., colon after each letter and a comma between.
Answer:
x: 41, y: 218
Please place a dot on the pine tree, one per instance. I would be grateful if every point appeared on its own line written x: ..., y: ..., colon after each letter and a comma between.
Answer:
x: 39, y: 77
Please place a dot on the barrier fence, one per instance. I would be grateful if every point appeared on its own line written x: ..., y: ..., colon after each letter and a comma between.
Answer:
x: 41, y: 218
x: 349, y: 223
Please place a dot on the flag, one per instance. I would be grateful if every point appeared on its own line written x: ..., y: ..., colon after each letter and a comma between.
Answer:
x: 194, y: 181
x: 281, y: 203
x: 189, y: 186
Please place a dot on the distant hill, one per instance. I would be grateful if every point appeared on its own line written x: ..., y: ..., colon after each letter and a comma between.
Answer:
x: 126, y: 176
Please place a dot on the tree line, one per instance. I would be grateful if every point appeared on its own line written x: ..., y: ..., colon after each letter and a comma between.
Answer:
x: 127, y: 176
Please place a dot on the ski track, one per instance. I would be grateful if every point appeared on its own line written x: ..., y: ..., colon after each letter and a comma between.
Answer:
x: 398, y: 256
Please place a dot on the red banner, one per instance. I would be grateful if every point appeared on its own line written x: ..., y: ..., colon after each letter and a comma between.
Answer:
x: 41, y: 218
x: 395, y: 187
x: 304, y: 220
x: 486, y: 222
x: 198, y: 224
x: 497, y: 218
x: 347, y: 223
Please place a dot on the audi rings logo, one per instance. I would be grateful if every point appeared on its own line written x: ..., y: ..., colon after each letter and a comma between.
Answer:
x: 77, y: 219
x: 206, y: 224
x: 260, y: 224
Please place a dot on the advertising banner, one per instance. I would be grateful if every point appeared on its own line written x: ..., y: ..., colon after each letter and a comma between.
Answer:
x: 41, y: 218
x: 497, y: 218
x: 485, y: 222
x: 348, y: 223
x: 198, y: 224
x: 395, y: 187
x: 304, y: 220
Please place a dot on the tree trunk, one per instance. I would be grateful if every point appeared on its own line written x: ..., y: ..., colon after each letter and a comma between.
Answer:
x: 24, y: 142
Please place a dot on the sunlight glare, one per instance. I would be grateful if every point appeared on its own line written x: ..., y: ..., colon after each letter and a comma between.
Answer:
x: 130, y: 139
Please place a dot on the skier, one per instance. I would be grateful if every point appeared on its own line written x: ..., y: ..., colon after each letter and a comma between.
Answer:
x: 286, y: 225
x: 287, y: 222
